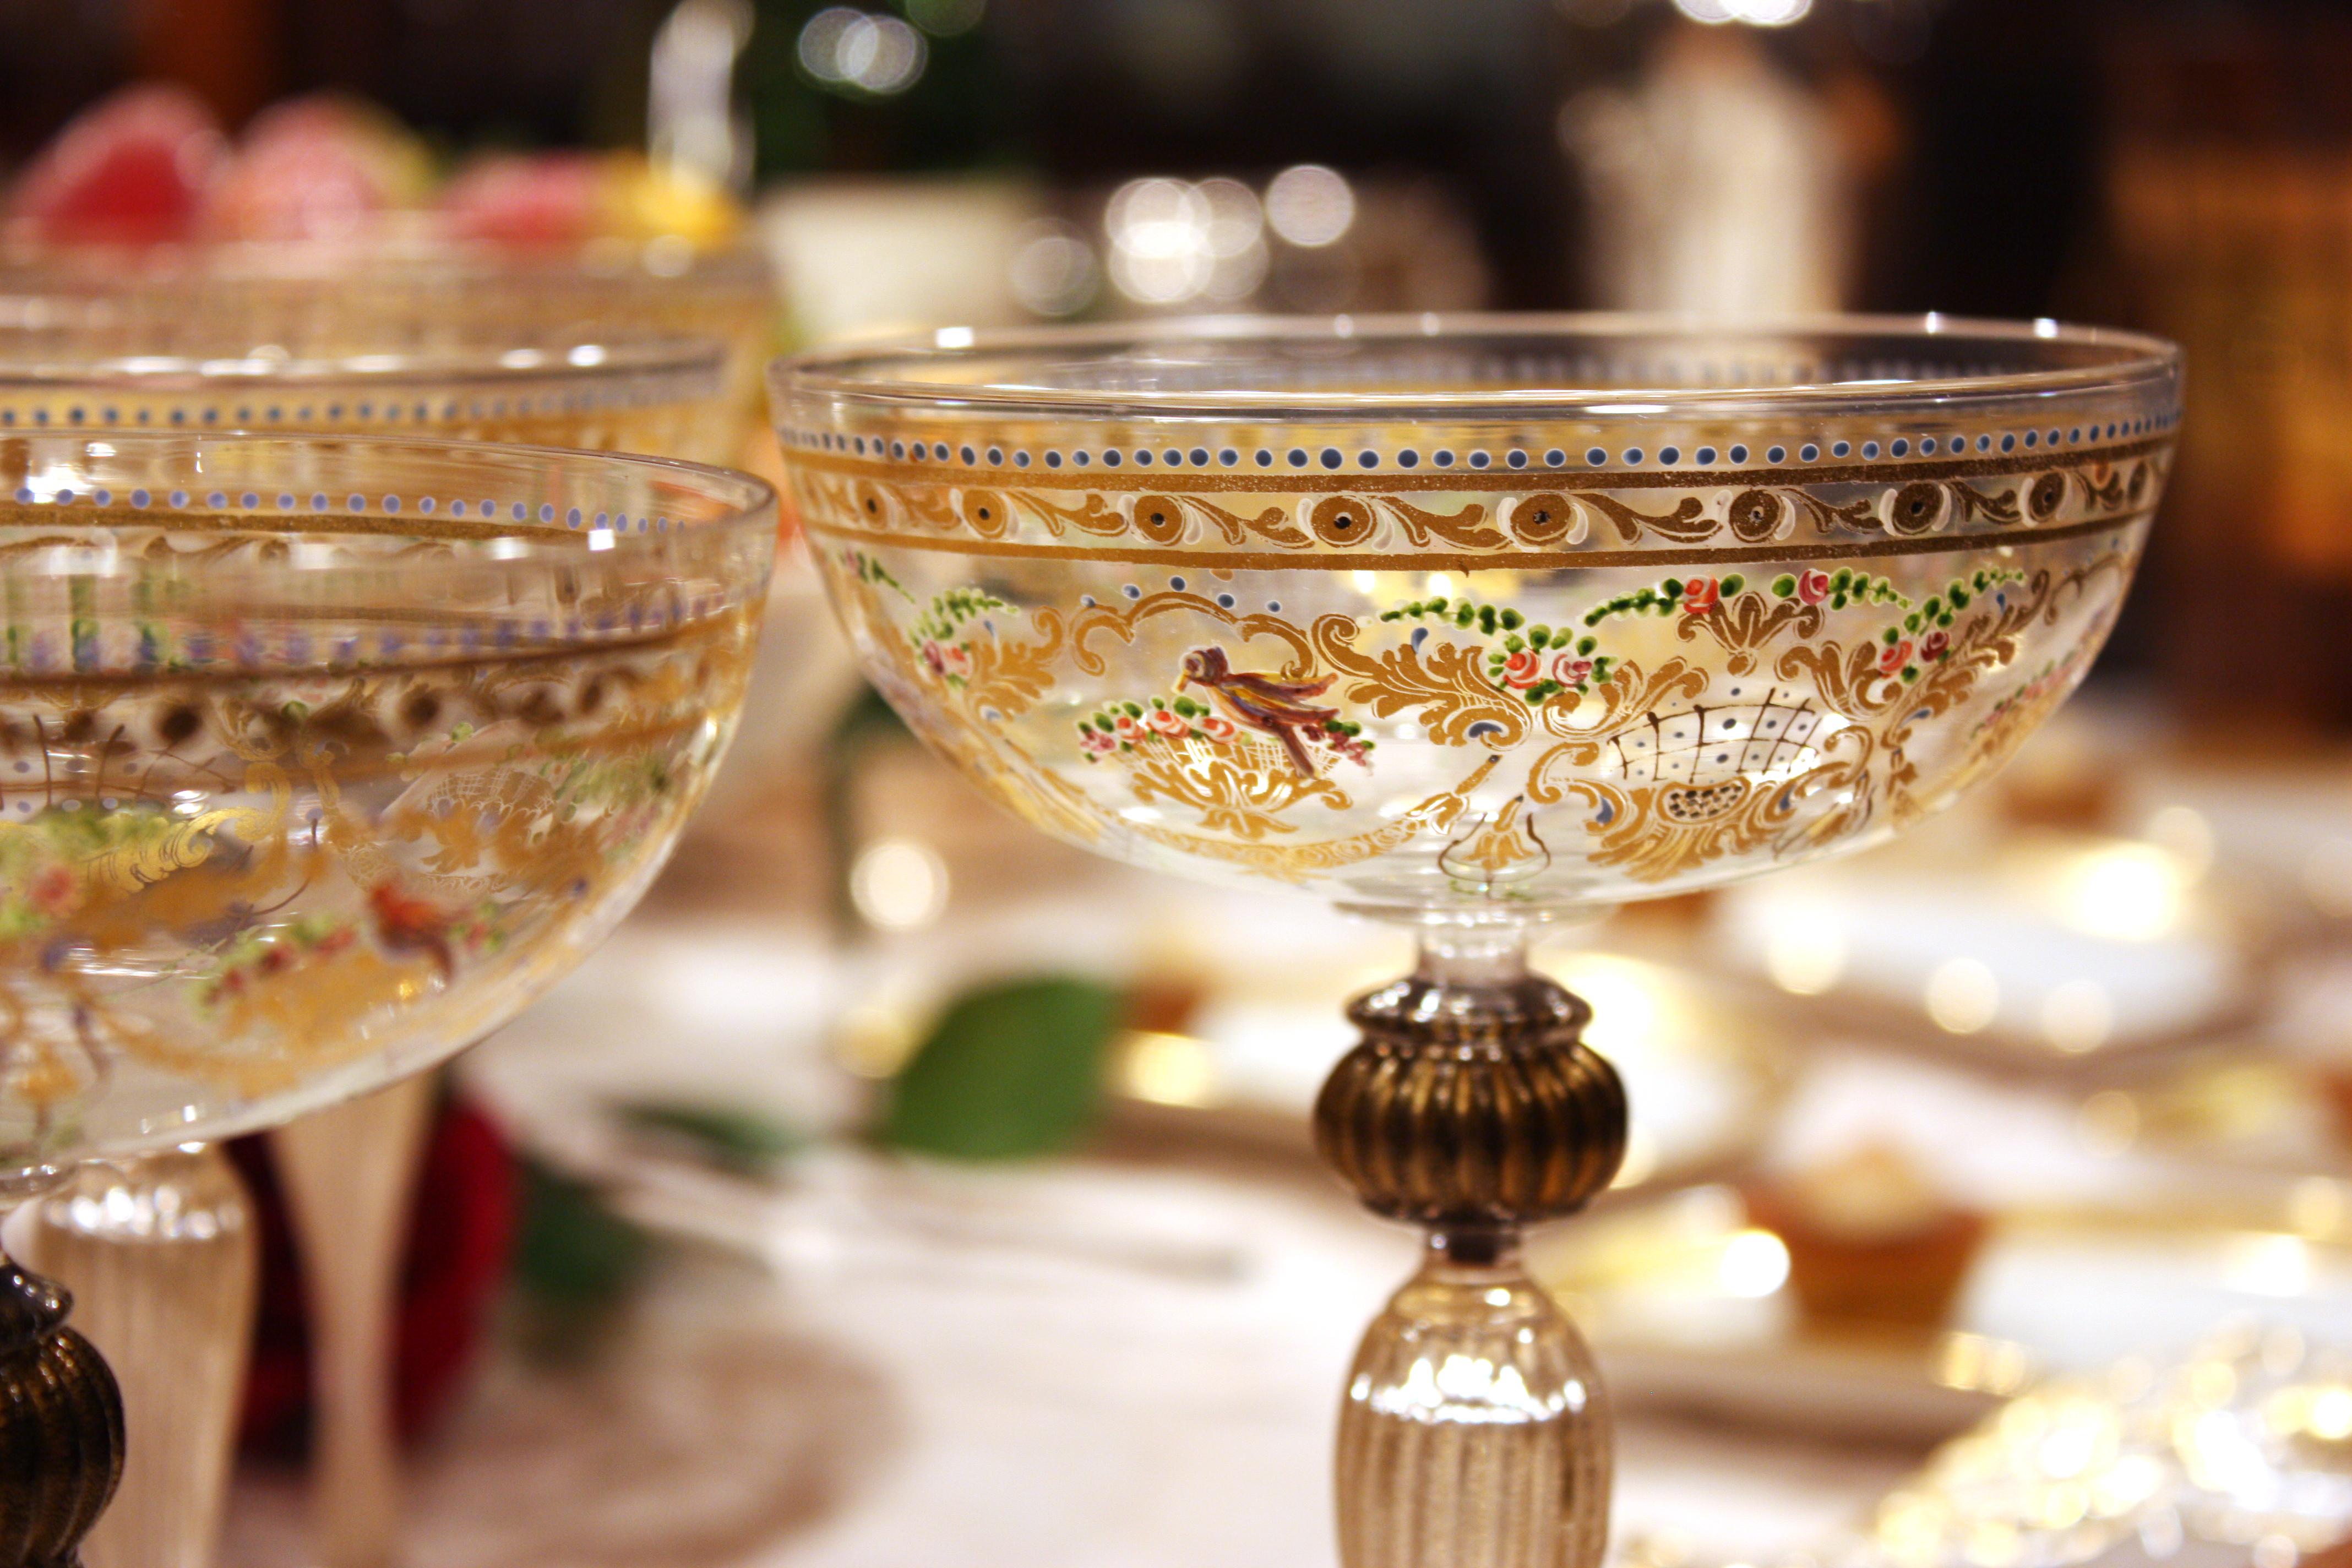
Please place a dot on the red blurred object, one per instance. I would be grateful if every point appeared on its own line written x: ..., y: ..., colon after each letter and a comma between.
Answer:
x: 314, y: 168
x: 551, y: 199
x: 459, y: 1246
x: 133, y: 169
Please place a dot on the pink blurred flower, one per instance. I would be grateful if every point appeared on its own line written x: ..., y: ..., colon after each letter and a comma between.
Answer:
x: 1812, y: 586
x: 1523, y: 669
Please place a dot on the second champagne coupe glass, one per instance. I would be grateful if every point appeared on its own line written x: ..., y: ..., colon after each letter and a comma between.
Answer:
x: 320, y: 757
x: 169, y: 1239
x: 1470, y: 625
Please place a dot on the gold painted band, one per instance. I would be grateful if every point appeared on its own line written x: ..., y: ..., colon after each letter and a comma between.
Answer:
x: 1520, y: 561
x: 1468, y: 481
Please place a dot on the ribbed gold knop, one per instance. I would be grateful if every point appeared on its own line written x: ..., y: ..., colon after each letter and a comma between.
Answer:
x: 1472, y: 1106
x: 60, y: 1426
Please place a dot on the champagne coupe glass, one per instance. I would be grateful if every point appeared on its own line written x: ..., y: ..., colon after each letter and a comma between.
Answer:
x: 320, y: 757
x: 169, y: 1237
x: 1470, y: 624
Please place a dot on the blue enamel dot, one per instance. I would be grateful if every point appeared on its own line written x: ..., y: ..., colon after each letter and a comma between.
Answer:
x: 1900, y: 448
x: 1332, y: 459
x: 216, y: 499
x: 1367, y: 459
x: 1132, y: 592
x: 1177, y: 584
x: 1809, y: 452
x: 572, y: 518
x: 1555, y: 458
x: 1480, y: 459
x: 356, y: 502
x: 1142, y: 459
x: 1265, y: 459
x: 1225, y: 600
x: 1927, y: 445
x: 1445, y: 460
x: 1081, y: 459
x: 969, y: 456
x: 24, y: 494
x: 139, y: 497
x: 1670, y: 454
x: 2009, y: 443
x: 1228, y: 456
x: 1517, y: 458
x: 2033, y: 438
x: 1409, y: 459
x: 1870, y: 448
x: 1199, y: 457
x: 424, y: 505
x: 1111, y: 459
x: 1740, y: 454
x: 1053, y: 459
x: 1705, y: 455
x: 1633, y: 455
x: 1595, y: 458
x: 939, y: 450
x: 547, y: 511
x: 1299, y: 457
x: 1842, y: 449
x: 102, y: 498
x: 285, y: 502
x: 1777, y: 455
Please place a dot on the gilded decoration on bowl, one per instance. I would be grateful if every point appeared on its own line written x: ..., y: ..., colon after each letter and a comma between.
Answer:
x: 1450, y: 664
x: 245, y: 846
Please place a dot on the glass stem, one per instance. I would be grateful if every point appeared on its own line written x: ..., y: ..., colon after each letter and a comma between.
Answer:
x: 348, y: 1172
x: 1474, y: 1433
x: 162, y: 1253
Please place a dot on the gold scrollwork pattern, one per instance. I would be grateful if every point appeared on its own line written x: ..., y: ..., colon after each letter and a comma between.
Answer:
x: 1490, y: 515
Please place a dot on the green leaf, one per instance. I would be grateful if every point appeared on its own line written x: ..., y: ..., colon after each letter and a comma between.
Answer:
x: 571, y: 1251
x: 1012, y: 1070
x: 742, y: 1142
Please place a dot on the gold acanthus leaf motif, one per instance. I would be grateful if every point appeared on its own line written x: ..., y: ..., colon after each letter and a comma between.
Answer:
x: 1442, y: 685
x: 1294, y: 863
x: 1647, y: 832
x: 1746, y: 624
x: 1241, y: 789
x: 1010, y: 677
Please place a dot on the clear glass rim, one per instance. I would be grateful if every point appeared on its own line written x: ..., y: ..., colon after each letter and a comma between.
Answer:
x: 742, y: 504
x: 87, y: 272
x: 893, y: 373
x: 585, y: 363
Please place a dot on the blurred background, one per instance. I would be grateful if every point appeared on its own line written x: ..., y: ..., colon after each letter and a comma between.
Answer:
x: 2007, y: 1226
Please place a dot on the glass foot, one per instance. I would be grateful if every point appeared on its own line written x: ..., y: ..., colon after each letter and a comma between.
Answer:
x: 1475, y: 1434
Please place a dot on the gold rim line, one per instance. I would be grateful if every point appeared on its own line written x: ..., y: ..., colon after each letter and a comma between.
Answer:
x: 1524, y: 561
x: 1301, y: 482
